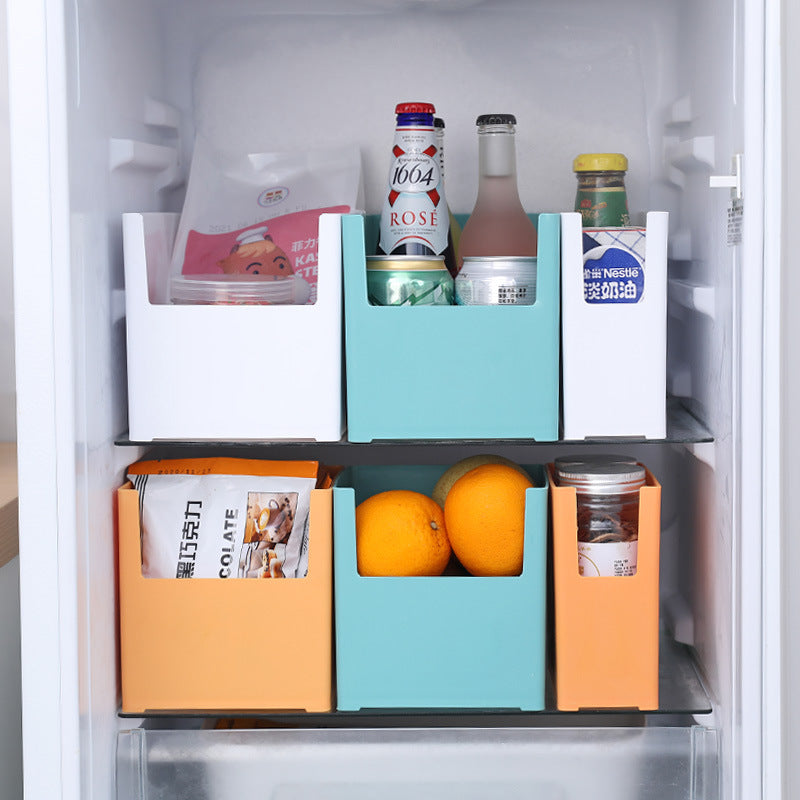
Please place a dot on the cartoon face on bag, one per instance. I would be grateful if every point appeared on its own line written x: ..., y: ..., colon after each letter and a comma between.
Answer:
x: 257, y: 254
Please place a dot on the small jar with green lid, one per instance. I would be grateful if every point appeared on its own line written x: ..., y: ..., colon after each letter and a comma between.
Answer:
x: 601, y: 198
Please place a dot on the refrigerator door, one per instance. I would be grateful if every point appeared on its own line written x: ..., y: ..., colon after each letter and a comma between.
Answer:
x: 45, y: 398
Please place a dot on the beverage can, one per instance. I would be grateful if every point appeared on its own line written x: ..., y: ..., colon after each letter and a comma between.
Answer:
x: 496, y: 281
x: 408, y: 281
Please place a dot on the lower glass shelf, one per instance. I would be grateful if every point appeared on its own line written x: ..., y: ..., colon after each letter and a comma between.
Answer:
x: 624, y: 763
x: 681, y: 692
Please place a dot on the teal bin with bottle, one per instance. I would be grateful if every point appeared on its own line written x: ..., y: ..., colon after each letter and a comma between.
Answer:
x: 453, y: 641
x: 451, y: 372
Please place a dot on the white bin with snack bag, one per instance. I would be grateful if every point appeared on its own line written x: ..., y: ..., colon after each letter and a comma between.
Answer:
x: 234, y: 307
x: 223, y: 371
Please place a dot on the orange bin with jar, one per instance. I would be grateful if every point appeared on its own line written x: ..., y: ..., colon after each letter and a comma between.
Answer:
x: 607, y: 624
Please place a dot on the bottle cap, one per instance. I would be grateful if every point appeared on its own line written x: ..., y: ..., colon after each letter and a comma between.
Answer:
x: 438, y: 122
x: 496, y: 119
x: 414, y: 108
x: 600, y: 474
x: 600, y: 162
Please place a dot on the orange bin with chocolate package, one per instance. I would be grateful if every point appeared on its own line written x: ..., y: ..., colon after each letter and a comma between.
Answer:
x: 606, y: 628
x: 210, y: 644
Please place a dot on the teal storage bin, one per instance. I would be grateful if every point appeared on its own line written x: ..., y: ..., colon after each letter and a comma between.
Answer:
x: 454, y: 641
x: 452, y: 372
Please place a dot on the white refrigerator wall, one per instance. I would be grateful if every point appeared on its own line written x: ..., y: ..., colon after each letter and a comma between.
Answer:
x: 790, y: 402
x: 105, y: 100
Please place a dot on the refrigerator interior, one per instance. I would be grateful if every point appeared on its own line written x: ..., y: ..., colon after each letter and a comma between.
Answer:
x: 128, y: 85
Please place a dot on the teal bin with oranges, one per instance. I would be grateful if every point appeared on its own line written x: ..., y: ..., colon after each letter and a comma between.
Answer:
x: 451, y: 372
x: 453, y: 641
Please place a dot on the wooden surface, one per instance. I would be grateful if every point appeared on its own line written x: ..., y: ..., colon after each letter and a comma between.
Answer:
x: 9, y: 530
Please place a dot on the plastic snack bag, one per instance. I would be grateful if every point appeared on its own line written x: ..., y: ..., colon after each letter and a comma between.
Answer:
x: 250, y: 223
x: 224, y: 518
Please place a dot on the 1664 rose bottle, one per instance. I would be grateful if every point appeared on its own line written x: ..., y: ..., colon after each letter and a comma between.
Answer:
x: 415, y: 220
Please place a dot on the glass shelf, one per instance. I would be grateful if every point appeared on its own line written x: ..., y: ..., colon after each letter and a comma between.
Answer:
x: 680, y: 687
x: 682, y: 428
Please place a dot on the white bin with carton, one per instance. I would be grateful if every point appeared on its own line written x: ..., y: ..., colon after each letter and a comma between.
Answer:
x: 614, y: 329
x: 229, y: 372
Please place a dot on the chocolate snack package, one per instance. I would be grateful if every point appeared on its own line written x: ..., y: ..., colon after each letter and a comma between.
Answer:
x: 224, y: 518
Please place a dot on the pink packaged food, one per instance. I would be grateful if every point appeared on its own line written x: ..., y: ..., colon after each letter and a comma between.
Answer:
x: 249, y: 228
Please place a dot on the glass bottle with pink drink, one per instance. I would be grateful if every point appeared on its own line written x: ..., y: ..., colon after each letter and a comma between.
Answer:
x: 498, y: 225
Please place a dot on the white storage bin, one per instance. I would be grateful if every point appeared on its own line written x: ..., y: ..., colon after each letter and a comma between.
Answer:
x: 229, y: 372
x: 614, y: 353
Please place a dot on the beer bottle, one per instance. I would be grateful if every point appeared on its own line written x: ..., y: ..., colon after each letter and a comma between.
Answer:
x: 498, y: 225
x: 415, y: 220
x: 455, y: 229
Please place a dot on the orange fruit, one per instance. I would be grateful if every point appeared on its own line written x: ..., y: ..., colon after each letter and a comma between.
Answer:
x: 485, y: 518
x: 401, y: 533
x: 445, y: 483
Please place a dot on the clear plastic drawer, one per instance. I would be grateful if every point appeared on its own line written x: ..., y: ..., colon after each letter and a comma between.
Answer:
x: 659, y: 763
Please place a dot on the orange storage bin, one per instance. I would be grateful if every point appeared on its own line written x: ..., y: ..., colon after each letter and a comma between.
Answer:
x: 606, y: 628
x: 205, y: 644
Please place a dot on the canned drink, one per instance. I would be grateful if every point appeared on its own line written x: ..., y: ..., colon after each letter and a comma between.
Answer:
x: 408, y: 281
x: 496, y: 281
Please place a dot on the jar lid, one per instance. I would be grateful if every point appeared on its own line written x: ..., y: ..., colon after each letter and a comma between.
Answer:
x: 414, y: 108
x: 600, y: 474
x: 496, y: 119
x: 600, y: 162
